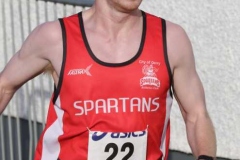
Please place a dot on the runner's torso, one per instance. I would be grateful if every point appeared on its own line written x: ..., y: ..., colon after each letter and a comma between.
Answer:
x: 94, y: 95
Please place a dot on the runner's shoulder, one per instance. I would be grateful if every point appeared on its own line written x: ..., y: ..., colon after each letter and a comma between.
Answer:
x: 44, y: 36
x: 178, y: 43
x: 174, y: 29
x: 48, y: 32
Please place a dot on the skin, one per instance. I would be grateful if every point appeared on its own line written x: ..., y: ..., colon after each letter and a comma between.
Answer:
x: 114, y: 24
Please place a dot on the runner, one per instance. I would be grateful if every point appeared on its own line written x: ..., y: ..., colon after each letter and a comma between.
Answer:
x: 115, y: 69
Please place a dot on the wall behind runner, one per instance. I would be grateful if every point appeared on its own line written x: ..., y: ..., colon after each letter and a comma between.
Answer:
x: 212, y: 27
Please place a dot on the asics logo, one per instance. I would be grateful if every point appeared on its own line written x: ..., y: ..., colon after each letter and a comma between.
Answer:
x: 80, y: 71
x: 96, y: 137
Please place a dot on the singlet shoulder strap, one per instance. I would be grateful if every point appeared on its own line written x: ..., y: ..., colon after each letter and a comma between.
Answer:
x: 64, y: 38
x: 164, y: 35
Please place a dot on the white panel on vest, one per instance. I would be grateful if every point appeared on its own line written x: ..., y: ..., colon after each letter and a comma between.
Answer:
x: 117, y: 146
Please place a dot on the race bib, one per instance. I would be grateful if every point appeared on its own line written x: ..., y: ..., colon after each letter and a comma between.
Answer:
x: 117, y: 146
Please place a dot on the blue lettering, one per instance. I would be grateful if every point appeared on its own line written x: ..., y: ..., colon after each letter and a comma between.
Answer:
x: 134, y: 135
x: 143, y: 133
x: 115, y: 135
x: 96, y: 137
x: 124, y: 136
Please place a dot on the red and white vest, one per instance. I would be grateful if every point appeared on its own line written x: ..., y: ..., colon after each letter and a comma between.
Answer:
x: 110, y: 97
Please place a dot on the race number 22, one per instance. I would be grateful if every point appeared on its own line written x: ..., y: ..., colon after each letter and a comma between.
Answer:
x: 114, y: 147
x: 117, y: 145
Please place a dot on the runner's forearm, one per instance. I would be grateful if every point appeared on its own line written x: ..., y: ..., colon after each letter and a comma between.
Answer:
x: 201, y: 136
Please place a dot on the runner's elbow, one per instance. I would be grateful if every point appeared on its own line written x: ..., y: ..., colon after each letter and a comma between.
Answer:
x: 6, y: 87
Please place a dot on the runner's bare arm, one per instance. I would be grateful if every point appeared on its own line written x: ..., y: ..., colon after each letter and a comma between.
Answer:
x: 34, y: 56
x: 189, y: 93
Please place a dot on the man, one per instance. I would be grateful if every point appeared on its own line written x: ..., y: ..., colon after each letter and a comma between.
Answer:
x: 113, y: 66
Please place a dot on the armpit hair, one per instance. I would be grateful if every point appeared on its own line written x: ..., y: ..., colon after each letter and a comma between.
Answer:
x: 48, y: 69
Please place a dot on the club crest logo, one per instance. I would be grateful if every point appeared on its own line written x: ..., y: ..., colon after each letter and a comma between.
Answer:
x: 150, y: 80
